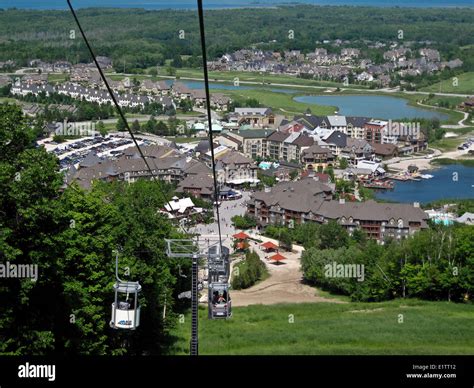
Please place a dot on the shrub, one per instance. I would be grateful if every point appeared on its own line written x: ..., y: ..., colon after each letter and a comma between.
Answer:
x: 248, y: 271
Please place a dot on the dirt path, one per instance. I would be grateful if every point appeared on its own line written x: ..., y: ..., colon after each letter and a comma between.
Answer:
x: 283, y: 286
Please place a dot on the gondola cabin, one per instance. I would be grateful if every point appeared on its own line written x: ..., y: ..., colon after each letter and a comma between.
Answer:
x: 220, y: 302
x: 219, y: 264
x: 126, y: 309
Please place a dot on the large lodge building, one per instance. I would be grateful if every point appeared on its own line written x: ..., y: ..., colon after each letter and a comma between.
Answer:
x: 309, y: 200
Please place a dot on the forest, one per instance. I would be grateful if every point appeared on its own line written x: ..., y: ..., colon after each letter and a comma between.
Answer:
x: 434, y: 264
x: 138, y: 39
x: 70, y: 235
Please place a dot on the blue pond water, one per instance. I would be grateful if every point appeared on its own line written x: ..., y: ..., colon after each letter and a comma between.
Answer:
x: 441, y: 186
x: 380, y: 107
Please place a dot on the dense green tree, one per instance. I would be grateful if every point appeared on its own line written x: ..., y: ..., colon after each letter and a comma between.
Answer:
x: 101, y: 128
x: 70, y: 235
x: 333, y: 235
x: 121, y: 125
x: 244, y: 222
x: 135, y: 126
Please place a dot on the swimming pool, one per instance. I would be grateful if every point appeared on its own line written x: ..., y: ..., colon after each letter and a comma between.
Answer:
x: 265, y: 165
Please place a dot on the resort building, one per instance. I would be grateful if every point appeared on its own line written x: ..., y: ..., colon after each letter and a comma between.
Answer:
x: 309, y: 200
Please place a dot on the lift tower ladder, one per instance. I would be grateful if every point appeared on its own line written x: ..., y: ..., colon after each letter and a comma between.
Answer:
x: 193, y: 249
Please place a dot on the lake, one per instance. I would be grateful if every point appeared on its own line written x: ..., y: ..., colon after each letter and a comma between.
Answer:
x: 380, y: 107
x: 215, y: 4
x: 441, y: 186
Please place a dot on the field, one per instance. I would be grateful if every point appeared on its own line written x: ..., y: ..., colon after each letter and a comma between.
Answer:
x: 257, y: 77
x: 465, y: 86
x: 336, y: 329
x: 278, y: 101
x: 452, y: 143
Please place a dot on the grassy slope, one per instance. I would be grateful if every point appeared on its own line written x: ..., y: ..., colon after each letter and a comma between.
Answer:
x: 466, y: 85
x: 278, y: 101
x: 258, y: 77
x: 451, y: 143
x: 329, y: 329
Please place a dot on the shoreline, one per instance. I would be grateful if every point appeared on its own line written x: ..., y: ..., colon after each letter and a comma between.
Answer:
x: 424, y: 164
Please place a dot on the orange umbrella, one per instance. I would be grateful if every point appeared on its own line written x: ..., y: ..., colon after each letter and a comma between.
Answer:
x: 269, y: 245
x: 277, y: 257
x: 241, y: 245
x: 241, y: 236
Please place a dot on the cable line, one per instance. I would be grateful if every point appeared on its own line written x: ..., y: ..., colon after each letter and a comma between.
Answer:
x: 119, y: 110
x: 209, y: 118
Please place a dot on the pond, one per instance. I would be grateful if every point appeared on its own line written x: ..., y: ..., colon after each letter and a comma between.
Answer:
x: 377, y: 107
x: 441, y: 186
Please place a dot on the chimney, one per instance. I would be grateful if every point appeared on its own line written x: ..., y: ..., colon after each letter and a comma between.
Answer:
x: 342, y: 201
x: 416, y: 204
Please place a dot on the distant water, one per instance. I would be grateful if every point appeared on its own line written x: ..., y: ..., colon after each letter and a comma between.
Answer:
x: 380, y: 107
x: 441, y: 186
x: 215, y: 4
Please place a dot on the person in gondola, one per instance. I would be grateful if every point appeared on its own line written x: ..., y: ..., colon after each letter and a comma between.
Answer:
x: 222, y: 300
x: 215, y: 297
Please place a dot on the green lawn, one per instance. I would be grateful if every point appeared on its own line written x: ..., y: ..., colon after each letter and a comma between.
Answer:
x: 278, y: 101
x: 451, y: 143
x: 465, y: 85
x: 181, y: 140
x: 53, y: 78
x: 9, y: 100
x: 447, y: 161
x: 258, y: 77
x: 336, y: 329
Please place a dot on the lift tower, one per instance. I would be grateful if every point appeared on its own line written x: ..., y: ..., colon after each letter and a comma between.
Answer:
x: 193, y: 249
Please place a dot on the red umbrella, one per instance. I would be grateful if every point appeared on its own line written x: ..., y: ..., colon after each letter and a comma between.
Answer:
x: 241, y: 236
x: 269, y: 245
x: 277, y: 257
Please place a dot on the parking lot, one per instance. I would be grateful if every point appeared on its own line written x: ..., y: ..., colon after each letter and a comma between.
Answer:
x: 72, y: 152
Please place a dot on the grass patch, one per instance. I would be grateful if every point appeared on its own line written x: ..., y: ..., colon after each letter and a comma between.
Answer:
x: 53, y: 78
x: 282, y: 102
x: 9, y: 100
x: 465, y: 85
x: 263, y: 79
x: 182, y: 140
x: 334, y: 329
x: 446, y: 144
x: 451, y: 143
x: 447, y: 161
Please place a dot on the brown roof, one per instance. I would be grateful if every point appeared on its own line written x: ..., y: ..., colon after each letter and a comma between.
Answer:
x: 202, y: 182
x: 356, y: 144
x: 303, y: 196
x: 384, y: 149
x: 304, y: 141
x: 234, y: 157
x: 371, y: 210
x: 154, y: 151
x: 315, y: 150
x: 278, y: 136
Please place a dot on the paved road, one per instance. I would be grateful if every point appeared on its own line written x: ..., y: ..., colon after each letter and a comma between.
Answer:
x: 227, y: 210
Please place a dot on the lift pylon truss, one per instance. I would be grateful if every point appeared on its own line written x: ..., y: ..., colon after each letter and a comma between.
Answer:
x: 200, y: 247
